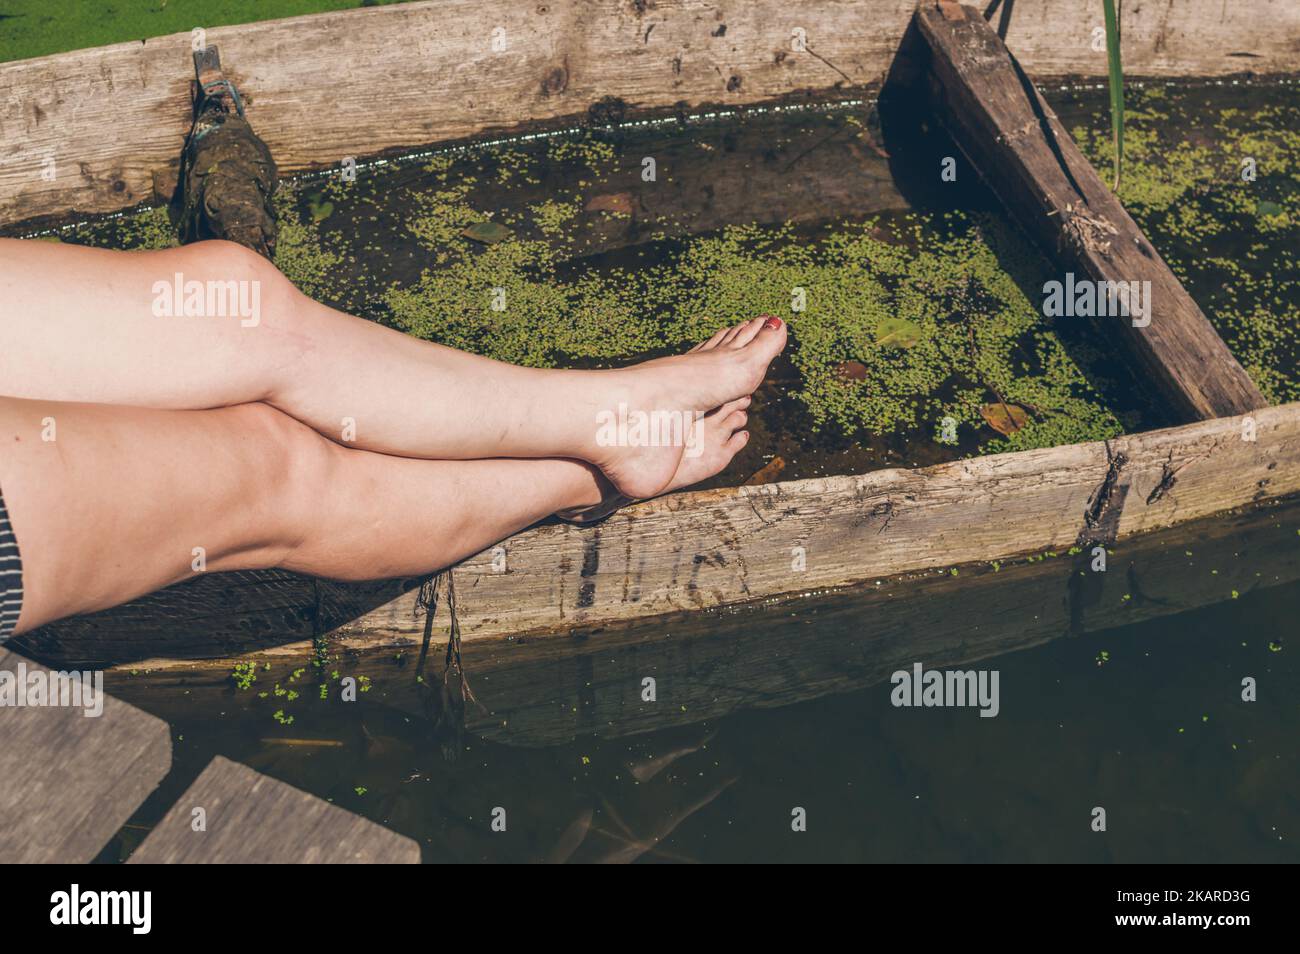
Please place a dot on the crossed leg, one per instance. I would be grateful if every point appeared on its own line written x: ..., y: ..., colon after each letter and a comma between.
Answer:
x: 116, y: 503
x: 81, y: 325
x: 220, y: 436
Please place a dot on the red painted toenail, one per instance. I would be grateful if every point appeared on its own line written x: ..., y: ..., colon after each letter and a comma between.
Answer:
x: 772, y: 322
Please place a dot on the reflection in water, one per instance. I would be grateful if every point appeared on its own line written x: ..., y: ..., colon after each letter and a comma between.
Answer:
x: 1139, y: 712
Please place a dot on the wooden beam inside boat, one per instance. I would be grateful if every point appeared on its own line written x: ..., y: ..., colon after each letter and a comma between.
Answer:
x: 1003, y: 125
x: 417, y: 73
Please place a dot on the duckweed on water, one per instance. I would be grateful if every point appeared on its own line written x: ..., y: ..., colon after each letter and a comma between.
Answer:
x: 977, y: 337
x: 1217, y: 188
x: 922, y: 308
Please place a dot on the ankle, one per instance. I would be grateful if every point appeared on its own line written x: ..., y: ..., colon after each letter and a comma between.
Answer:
x: 588, y: 487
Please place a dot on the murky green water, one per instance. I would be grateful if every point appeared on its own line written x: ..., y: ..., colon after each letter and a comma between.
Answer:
x: 1140, y: 712
x: 763, y: 712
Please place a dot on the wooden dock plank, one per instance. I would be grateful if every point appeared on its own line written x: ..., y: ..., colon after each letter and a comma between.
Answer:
x: 252, y: 819
x: 1021, y: 149
x: 68, y: 780
x: 443, y: 78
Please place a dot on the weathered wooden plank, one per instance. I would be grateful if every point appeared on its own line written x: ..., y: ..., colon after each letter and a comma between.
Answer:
x: 221, y: 614
x: 252, y: 819
x: 707, y: 664
x: 69, y: 778
x: 718, y: 548
x: 417, y: 73
x: 706, y: 549
x: 1010, y: 134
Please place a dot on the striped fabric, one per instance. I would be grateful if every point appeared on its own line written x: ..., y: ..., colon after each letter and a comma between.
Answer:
x: 11, y: 576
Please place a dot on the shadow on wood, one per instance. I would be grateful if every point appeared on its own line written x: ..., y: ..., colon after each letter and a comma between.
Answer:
x: 550, y: 689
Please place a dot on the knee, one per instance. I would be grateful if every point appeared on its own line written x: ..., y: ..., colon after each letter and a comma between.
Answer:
x: 230, y: 260
x: 289, y: 468
x: 222, y: 261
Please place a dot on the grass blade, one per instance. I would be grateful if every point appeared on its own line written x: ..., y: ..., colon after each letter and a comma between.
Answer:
x: 1116, y: 73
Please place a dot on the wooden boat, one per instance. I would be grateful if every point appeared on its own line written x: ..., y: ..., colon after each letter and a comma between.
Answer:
x: 537, y: 610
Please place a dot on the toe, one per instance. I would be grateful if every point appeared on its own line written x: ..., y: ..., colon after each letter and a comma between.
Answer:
x: 732, y: 332
x: 748, y: 331
x: 712, y: 342
x: 720, y: 413
x: 736, y: 441
x: 768, y: 340
x: 734, y: 421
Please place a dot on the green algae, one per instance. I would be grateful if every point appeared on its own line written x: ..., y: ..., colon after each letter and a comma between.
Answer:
x: 1216, y: 186
x: 940, y: 310
x: 939, y: 326
x: 299, y: 252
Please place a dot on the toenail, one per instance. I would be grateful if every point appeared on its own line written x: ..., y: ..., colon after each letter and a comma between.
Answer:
x: 772, y: 322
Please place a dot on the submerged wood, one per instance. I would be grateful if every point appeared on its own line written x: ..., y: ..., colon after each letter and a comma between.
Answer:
x: 1025, y: 154
x: 410, y: 74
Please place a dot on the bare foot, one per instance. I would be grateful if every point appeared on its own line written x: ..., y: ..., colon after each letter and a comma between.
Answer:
x: 639, y: 442
x: 715, y: 439
x: 720, y: 436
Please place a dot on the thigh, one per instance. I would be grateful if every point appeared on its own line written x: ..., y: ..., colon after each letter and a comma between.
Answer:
x: 88, y: 324
x: 108, y: 503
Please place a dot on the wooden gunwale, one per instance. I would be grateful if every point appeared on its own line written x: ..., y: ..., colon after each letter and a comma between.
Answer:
x: 686, y: 552
x: 417, y: 73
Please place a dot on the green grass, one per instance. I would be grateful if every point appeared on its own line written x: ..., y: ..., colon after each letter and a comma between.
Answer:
x: 1116, y: 76
x: 38, y: 28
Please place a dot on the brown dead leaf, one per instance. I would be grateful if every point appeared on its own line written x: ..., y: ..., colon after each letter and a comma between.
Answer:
x: 768, y: 473
x: 1006, y: 419
x: 618, y: 203
x: 851, y: 370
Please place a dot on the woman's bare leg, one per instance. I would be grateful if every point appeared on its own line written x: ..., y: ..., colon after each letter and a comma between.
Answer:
x: 122, y: 500
x: 80, y: 325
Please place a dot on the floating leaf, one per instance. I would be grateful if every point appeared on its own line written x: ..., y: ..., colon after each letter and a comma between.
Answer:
x: 768, y: 473
x: 1006, y: 419
x: 489, y: 233
x: 1268, y: 208
x: 851, y: 370
x: 898, y: 333
x: 319, y: 208
x: 618, y: 203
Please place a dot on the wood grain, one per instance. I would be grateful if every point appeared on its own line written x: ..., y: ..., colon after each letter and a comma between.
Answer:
x: 1010, y: 134
x: 417, y: 73
x: 253, y: 819
x: 728, y: 547
x: 707, y: 664
x: 700, y: 550
x: 69, y: 781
